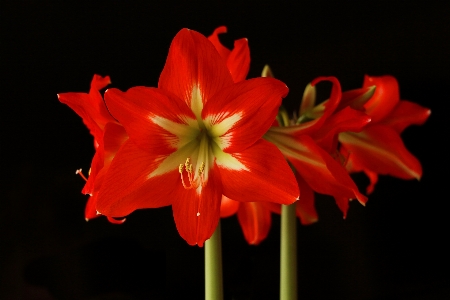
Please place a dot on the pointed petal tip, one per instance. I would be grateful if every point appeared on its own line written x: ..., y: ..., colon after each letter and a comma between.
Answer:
x: 87, y: 220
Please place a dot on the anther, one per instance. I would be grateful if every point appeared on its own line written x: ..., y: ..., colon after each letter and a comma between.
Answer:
x: 79, y: 171
x: 201, y: 169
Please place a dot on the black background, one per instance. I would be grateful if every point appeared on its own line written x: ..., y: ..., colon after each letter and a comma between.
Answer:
x: 395, y: 247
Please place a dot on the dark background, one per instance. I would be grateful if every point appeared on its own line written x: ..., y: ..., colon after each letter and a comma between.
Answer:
x: 395, y: 247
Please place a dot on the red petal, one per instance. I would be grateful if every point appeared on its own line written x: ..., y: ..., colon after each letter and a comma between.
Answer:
x: 192, y: 63
x: 98, y: 82
x: 239, y: 60
x: 344, y: 120
x: 89, y: 211
x: 113, y: 138
x: 384, y: 99
x: 137, y: 108
x: 127, y: 185
x: 214, y: 39
x: 255, y: 220
x: 322, y: 173
x: 381, y: 150
x: 255, y: 102
x: 405, y: 114
x: 268, y: 178
x: 96, y: 166
x: 305, y: 209
x: 116, y: 221
x: 228, y: 207
x: 329, y: 108
x: 356, y: 98
x: 80, y: 103
x: 373, y: 177
x: 197, y: 214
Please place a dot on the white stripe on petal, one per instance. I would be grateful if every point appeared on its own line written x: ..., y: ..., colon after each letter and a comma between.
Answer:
x: 218, y: 131
x: 176, y: 158
x: 197, y: 102
x: 183, y: 133
x: 227, y: 161
x: 290, y: 147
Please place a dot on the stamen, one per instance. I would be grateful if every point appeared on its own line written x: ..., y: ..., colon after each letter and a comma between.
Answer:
x: 193, y: 182
x: 200, y: 173
x: 79, y: 171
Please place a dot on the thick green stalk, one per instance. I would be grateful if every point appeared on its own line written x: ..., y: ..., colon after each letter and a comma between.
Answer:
x: 213, y: 266
x: 288, y: 253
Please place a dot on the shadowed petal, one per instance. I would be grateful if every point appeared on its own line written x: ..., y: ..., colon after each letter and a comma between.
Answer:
x: 304, y: 207
x: 228, y: 207
x: 255, y: 220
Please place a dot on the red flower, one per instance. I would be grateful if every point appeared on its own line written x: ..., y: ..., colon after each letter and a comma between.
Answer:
x: 107, y: 132
x: 378, y: 148
x: 309, y: 142
x: 194, y: 138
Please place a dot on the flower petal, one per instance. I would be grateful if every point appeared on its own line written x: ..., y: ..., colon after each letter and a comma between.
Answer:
x: 304, y: 207
x: 239, y: 60
x: 224, y: 52
x: 327, y: 108
x: 230, y: 115
x: 127, y: 185
x: 346, y: 119
x: 155, y: 120
x: 255, y: 220
x: 113, y: 138
x: 380, y: 149
x: 267, y: 176
x: 405, y: 114
x: 384, y: 99
x: 197, y: 211
x: 194, y: 70
x: 228, y: 207
x: 90, y: 211
x: 322, y: 173
x: 356, y: 98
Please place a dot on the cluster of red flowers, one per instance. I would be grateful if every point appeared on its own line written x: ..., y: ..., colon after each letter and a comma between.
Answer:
x: 211, y: 143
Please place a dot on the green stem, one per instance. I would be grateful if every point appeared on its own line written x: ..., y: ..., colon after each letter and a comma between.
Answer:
x: 213, y: 266
x: 288, y: 253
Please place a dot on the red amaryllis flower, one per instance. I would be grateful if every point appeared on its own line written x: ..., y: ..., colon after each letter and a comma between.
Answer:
x: 194, y: 139
x: 378, y: 148
x: 238, y: 59
x: 107, y: 132
x: 308, y: 147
